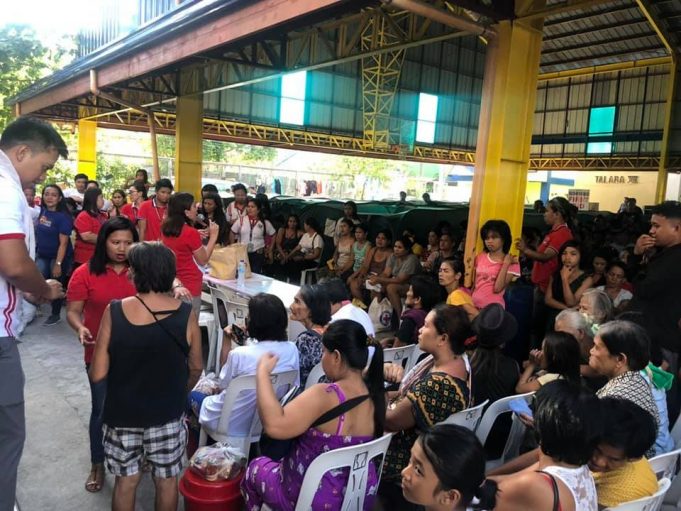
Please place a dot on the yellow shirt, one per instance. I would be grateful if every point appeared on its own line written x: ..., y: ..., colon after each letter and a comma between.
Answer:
x: 634, y: 480
x: 459, y: 297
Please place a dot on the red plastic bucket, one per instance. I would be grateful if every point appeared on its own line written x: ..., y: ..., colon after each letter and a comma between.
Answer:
x: 202, y: 495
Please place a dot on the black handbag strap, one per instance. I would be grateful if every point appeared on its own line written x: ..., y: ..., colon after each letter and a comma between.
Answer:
x: 339, y: 410
x: 184, y: 347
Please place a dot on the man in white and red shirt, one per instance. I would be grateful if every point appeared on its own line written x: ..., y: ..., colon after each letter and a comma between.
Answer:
x: 237, y: 208
x: 28, y: 149
x: 152, y: 212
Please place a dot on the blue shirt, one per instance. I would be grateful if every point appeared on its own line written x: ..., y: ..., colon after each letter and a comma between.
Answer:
x: 48, y: 227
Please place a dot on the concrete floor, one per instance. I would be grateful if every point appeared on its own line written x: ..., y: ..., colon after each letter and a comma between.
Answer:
x: 56, y: 458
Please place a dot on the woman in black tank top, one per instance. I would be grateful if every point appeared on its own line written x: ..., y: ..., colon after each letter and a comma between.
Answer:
x: 149, y: 351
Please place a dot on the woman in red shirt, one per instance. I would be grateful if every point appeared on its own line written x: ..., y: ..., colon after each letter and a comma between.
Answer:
x: 138, y: 194
x: 87, y: 226
x: 184, y: 240
x: 91, y: 288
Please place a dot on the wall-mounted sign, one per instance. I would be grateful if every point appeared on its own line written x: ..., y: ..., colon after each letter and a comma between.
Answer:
x: 617, y: 180
x: 579, y: 198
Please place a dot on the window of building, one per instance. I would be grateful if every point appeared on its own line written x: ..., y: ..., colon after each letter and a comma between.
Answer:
x: 601, y: 122
x: 292, y: 108
x: 427, y: 117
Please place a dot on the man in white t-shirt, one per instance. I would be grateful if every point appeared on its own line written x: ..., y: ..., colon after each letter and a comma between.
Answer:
x: 28, y: 149
x: 76, y: 194
x: 343, y: 308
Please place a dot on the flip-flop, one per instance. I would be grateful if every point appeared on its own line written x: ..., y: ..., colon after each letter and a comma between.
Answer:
x: 95, y: 480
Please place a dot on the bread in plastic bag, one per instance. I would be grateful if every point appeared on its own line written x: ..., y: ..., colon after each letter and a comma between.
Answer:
x: 217, y: 462
x: 208, y: 384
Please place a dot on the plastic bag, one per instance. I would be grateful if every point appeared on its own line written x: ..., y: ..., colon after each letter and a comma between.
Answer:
x: 217, y: 462
x: 381, y: 314
x: 208, y: 384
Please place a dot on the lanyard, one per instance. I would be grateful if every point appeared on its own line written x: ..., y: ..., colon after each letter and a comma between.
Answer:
x: 252, y: 225
x: 158, y: 215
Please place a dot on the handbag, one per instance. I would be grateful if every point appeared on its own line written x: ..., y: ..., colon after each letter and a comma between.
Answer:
x: 381, y: 314
x: 224, y: 261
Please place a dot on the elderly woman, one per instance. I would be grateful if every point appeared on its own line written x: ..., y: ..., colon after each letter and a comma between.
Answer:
x: 597, y: 306
x: 621, y: 351
x: 144, y: 340
x: 311, y: 306
x: 434, y: 389
x: 267, y: 324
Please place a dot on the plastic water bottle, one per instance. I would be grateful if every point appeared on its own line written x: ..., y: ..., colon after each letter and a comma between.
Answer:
x: 241, y: 274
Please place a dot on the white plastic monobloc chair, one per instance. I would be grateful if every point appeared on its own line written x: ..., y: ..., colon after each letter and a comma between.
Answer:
x: 221, y: 302
x: 286, y: 379
x: 499, y: 407
x: 316, y: 374
x: 469, y: 418
x: 357, y: 458
x: 666, y: 465
x: 397, y: 355
x: 651, y: 503
x: 413, y: 358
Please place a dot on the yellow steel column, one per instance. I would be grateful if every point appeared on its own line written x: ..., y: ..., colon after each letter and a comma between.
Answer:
x: 188, y: 144
x: 505, y: 130
x: 661, y: 188
x: 87, y: 148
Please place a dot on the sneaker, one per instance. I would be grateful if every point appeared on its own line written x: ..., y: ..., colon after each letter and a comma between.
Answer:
x: 53, y: 319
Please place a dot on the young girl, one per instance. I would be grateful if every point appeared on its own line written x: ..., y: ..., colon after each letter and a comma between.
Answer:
x: 446, y: 470
x: 450, y: 276
x: 567, y: 285
x: 559, y: 358
x: 495, y: 267
x: 360, y: 247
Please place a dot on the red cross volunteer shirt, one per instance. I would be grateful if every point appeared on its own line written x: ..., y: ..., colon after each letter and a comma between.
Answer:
x: 15, y: 223
x: 85, y: 222
x: 97, y: 291
x: 184, y: 246
x: 542, y: 271
x: 153, y: 215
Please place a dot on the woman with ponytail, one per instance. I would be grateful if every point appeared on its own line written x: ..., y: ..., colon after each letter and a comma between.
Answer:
x: 447, y: 470
x: 325, y: 417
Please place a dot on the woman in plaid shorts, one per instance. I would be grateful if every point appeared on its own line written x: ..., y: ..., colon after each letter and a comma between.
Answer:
x: 149, y: 350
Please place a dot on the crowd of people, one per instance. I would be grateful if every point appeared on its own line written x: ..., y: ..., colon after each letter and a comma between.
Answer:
x: 600, y: 352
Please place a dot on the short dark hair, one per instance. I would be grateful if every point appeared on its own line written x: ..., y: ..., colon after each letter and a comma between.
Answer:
x: 93, y: 181
x: 427, y: 290
x: 453, y: 321
x: 335, y: 290
x: 239, y: 186
x: 616, y: 263
x: 387, y: 233
x: 81, y: 176
x: 627, y: 338
x: 317, y: 301
x: 163, y: 183
x: 153, y: 267
x: 362, y: 225
x: 353, y: 205
x: 627, y: 426
x: 267, y: 318
x: 312, y: 223
x: 501, y: 228
x: 90, y: 201
x: 99, y: 258
x: 39, y: 135
x: 567, y: 422
x: 457, y: 265
x: 348, y: 222
x: 209, y: 188
x: 668, y: 209
x: 562, y: 355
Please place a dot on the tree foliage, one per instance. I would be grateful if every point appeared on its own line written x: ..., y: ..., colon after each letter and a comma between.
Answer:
x: 23, y: 61
x: 216, y: 151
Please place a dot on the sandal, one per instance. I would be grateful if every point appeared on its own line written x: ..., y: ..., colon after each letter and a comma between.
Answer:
x: 96, y: 478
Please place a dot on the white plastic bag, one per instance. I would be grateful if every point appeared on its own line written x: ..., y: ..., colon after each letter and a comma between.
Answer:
x: 217, y: 462
x: 381, y: 314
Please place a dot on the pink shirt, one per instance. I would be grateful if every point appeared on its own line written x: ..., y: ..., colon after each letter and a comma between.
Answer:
x: 486, y: 273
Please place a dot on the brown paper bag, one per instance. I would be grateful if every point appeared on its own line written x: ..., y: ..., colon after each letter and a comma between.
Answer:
x: 224, y: 261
